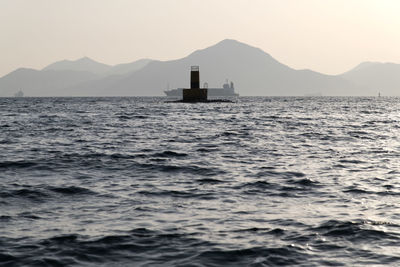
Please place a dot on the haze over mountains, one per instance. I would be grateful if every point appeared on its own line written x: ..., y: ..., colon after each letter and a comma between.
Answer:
x: 253, y: 71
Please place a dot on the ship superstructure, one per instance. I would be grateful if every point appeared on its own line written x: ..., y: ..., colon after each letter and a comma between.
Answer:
x: 228, y: 89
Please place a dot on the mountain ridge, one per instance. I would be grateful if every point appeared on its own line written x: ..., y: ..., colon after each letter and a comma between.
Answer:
x: 250, y: 68
x: 254, y: 72
x: 81, y: 64
x: 378, y: 77
x: 43, y: 81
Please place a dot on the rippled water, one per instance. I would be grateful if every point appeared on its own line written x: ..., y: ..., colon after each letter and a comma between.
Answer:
x: 139, y: 182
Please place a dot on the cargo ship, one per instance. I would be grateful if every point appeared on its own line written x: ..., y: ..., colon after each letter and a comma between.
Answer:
x: 227, y: 89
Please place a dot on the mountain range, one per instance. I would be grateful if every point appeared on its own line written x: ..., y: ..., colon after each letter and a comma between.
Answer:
x: 253, y: 71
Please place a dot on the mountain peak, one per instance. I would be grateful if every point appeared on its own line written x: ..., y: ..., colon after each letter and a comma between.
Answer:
x: 229, y: 50
x: 232, y: 43
x: 228, y: 41
x: 85, y: 58
x: 367, y: 64
x: 81, y: 64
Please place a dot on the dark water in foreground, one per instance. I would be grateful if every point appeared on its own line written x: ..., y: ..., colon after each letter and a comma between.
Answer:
x: 137, y: 182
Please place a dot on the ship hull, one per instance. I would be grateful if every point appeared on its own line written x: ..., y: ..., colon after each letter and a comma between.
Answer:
x: 213, y: 92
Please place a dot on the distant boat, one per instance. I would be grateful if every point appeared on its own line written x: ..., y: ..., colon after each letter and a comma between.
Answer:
x: 227, y: 89
x: 19, y: 94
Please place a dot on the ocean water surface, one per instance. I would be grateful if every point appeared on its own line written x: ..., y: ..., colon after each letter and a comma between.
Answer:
x: 265, y: 181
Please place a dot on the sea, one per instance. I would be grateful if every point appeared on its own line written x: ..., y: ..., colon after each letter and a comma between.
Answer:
x: 263, y: 181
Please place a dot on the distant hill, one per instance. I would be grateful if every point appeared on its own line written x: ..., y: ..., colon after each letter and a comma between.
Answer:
x: 128, y: 67
x: 377, y: 77
x: 363, y: 65
x: 54, y: 79
x: 82, y: 64
x: 41, y: 83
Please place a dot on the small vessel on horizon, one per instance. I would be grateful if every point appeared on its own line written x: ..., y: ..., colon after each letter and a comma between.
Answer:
x: 19, y: 94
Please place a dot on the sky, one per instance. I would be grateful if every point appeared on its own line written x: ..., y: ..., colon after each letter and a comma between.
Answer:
x: 328, y: 36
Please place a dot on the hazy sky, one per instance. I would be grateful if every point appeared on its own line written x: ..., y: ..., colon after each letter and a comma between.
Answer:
x: 329, y: 36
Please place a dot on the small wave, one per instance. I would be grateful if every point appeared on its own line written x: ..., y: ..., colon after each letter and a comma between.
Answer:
x: 6, y: 259
x: 288, y: 222
x: 280, y: 174
x: 258, y: 185
x: 253, y: 229
x: 6, y: 142
x: 42, y: 193
x: 351, y: 161
x: 29, y: 215
x: 140, y: 117
x: 16, y: 164
x: 276, y: 231
x: 32, y: 194
x: 170, y: 154
x: 5, y: 218
x: 286, y: 189
x: 305, y: 182
x: 124, y: 117
x: 207, y: 149
x: 360, y: 134
x: 263, y: 187
x: 71, y: 190
x: 388, y: 193
x: 209, y: 181
x: 191, y: 169
x: 229, y: 133
x: 177, y: 194
x: 359, y: 230
x: 122, y: 156
x: 314, y: 135
x: 354, y: 190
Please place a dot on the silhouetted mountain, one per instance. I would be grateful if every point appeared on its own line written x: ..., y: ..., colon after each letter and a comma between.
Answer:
x: 55, y: 78
x: 41, y: 83
x: 377, y: 77
x: 363, y: 65
x: 87, y: 64
x: 82, y: 64
x: 128, y: 67
x: 253, y: 71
